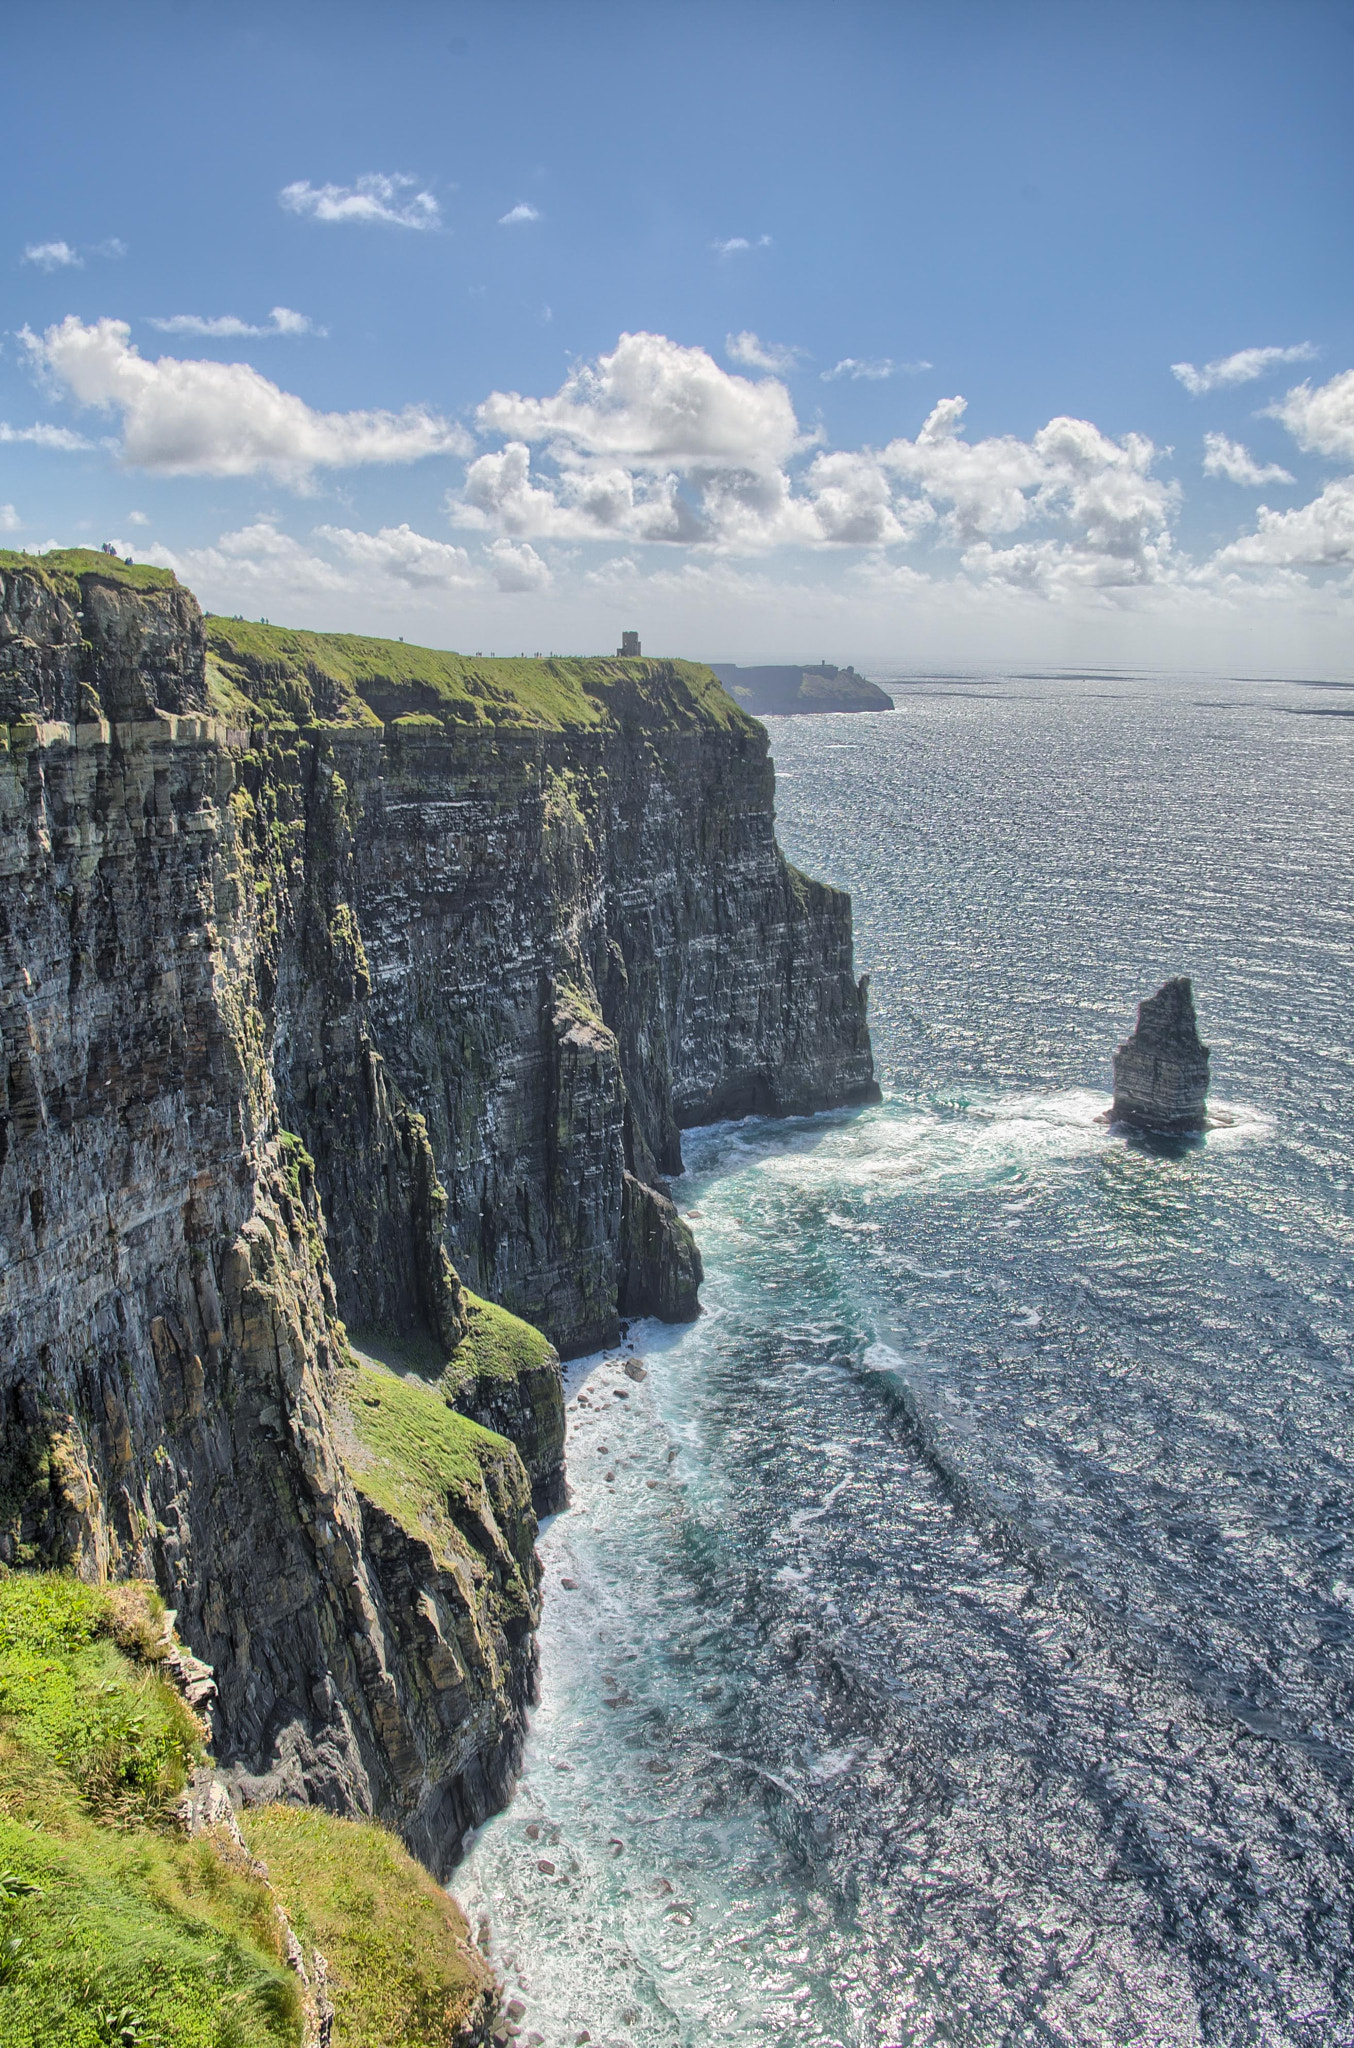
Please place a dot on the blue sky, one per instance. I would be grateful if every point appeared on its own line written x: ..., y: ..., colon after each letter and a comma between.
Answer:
x: 820, y: 228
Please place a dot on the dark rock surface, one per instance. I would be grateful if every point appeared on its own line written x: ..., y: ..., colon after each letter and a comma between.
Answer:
x: 303, y: 1021
x: 1161, y: 1072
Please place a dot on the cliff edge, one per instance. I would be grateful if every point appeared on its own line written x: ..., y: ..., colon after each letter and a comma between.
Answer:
x: 340, y: 979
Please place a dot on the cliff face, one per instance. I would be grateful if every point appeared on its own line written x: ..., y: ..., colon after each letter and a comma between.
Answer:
x: 333, y: 976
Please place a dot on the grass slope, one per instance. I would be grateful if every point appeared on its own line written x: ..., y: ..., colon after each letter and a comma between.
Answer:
x: 61, y: 569
x: 116, y: 1931
x: 346, y: 678
x: 402, y: 1973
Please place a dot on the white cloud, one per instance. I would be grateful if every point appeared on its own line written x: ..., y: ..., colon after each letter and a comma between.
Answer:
x: 1321, y: 420
x: 1234, y: 461
x: 43, y: 436
x: 10, y: 521
x: 515, y: 565
x: 874, y: 368
x: 137, y: 519
x: 1242, y: 368
x: 521, y: 212
x: 53, y: 256
x: 114, y: 249
x: 229, y: 327
x: 581, y: 504
x: 397, y: 552
x: 185, y: 418
x: 1315, y: 536
x: 736, y: 244
x: 1112, y: 517
x: 654, y: 405
x: 656, y: 443
x: 385, y: 198
x: 755, y: 354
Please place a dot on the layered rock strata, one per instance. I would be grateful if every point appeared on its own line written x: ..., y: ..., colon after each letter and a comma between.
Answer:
x: 327, y: 987
x: 1161, y: 1071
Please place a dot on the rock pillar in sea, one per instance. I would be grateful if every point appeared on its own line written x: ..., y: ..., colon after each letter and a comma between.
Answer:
x: 1161, y: 1072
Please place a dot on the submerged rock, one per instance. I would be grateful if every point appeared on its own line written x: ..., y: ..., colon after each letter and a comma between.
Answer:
x: 1161, y: 1072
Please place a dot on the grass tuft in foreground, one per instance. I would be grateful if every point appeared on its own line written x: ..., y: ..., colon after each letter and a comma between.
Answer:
x: 401, y: 1972
x: 117, y: 1931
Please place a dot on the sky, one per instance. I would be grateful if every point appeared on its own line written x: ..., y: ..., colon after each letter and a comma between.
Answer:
x: 901, y: 334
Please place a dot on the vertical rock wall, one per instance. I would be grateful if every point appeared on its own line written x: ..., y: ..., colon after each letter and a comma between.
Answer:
x: 301, y: 1023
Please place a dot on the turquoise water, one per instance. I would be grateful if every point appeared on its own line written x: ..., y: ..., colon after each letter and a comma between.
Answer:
x: 956, y: 1642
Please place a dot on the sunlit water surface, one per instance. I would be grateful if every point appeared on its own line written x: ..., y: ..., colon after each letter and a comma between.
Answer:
x: 950, y: 1635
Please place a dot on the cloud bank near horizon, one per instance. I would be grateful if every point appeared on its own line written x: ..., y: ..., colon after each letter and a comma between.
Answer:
x: 654, y: 467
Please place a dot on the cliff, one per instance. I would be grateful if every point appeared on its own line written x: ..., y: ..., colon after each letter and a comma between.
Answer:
x: 793, y: 691
x: 339, y: 979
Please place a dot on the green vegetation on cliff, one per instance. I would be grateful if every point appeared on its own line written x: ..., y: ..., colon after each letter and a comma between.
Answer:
x: 432, y: 1471
x: 345, y: 678
x: 61, y: 570
x: 497, y: 1346
x: 116, y: 1929
x: 401, y: 1970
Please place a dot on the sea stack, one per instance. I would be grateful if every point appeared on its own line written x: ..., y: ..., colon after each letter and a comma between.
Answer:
x: 1161, y: 1072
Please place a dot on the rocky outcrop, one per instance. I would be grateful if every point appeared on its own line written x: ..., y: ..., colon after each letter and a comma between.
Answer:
x: 793, y: 691
x: 316, y: 1004
x: 1161, y: 1072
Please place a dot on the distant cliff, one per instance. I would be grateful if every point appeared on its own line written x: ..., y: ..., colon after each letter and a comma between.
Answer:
x: 786, y: 692
x: 341, y: 978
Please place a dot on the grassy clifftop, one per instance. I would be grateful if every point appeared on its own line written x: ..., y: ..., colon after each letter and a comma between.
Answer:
x: 347, y: 678
x: 117, y: 1929
x: 61, y: 570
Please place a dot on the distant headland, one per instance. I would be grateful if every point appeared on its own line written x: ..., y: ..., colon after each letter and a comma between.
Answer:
x: 779, y: 692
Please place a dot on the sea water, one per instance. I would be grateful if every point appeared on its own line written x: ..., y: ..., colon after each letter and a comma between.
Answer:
x: 951, y: 1634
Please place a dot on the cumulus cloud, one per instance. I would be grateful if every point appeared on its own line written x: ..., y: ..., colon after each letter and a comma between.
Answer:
x: 515, y: 565
x: 654, y: 405
x: 114, y: 249
x: 1234, y: 461
x: 388, y: 199
x: 1315, y: 536
x: 53, y: 256
x: 873, y: 368
x: 656, y: 443
x: 521, y: 212
x: 229, y: 327
x: 10, y: 521
x: 1242, y: 368
x: 736, y: 244
x: 755, y: 354
x: 186, y: 418
x: 398, y: 553
x: 396, y: 570
x: 43, y: 436
x: 1321, y: 421
x: 1111, y: 516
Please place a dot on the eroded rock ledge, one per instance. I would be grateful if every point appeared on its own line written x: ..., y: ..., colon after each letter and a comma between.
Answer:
x: 341, y: 978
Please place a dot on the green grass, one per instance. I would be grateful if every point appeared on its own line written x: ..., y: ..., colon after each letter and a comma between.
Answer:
x: 346, y: 678
x: 114, y: 1928
x: 498, y: 1346
x: 401, y: 1970
x: 418, y: 1460
x: 61, y: 569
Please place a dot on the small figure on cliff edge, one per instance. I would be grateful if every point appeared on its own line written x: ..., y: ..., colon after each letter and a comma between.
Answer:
x: 1161, y: 1072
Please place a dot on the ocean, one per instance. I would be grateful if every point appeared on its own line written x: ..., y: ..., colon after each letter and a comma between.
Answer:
x: 951, y: 1635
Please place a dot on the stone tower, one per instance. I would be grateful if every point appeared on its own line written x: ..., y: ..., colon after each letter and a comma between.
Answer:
x: 629, y: 644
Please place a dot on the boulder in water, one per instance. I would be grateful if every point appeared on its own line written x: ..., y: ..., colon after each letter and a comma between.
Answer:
x: 1161, y: 1072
